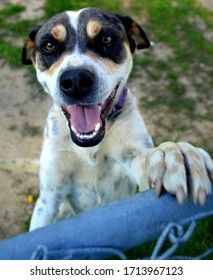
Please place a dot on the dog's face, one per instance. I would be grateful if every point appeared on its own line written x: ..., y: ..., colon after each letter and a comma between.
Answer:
x: 83, y: 60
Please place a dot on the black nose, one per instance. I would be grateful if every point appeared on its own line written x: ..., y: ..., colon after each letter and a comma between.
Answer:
x: 76, y: 83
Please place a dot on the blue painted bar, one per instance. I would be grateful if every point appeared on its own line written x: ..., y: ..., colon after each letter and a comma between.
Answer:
x: 121, y: 225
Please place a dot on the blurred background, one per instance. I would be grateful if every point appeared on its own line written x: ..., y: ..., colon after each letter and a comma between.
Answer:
x: 173, y: 82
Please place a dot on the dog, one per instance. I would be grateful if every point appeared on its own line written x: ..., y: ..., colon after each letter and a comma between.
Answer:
x: 96, y: 147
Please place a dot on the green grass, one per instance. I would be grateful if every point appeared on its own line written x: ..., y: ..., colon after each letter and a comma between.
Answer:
x: 52, y: 7
x: 13, y: 29
x: 10, y: 54
x: 197, y: 244
x: 10, y: 10
x: 176, y: 27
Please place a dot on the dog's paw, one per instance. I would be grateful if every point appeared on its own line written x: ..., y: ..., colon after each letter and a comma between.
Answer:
x: 181, y: 169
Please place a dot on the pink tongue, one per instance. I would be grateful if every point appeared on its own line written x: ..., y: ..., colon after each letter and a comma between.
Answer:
x: 84, y: 118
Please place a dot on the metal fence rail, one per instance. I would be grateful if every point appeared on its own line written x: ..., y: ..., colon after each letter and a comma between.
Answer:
x: 112, y: 229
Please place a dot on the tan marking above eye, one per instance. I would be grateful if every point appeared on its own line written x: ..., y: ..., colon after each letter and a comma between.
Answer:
x: 93, y: 28
x: 59, y: 32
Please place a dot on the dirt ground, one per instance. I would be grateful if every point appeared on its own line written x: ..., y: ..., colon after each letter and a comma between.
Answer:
x: 22, y: 114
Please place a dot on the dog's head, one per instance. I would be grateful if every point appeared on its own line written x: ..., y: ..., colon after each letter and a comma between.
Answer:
x: 83, y: 60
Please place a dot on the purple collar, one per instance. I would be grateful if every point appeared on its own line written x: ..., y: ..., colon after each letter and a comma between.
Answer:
x: 119, y: 105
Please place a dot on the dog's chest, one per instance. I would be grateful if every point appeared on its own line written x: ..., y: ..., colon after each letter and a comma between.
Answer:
x: 100, y: 180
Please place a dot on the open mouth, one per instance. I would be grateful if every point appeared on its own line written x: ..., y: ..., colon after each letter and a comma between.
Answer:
x: 87, y: 122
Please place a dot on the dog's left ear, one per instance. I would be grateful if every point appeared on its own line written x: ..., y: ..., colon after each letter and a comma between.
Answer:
x: 28, y: 47
x: 136, y: 36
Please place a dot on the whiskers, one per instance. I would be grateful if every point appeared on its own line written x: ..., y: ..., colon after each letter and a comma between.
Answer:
x: 37, y: 94
x: 40, y: 92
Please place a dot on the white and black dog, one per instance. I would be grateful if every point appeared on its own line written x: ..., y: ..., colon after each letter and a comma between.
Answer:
x: 83, y: 60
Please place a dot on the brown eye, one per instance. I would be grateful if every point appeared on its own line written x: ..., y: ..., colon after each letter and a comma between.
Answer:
x: 49, y: 47
x: 106, y: 40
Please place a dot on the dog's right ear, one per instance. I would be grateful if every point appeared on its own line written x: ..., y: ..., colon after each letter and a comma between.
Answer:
x: 136, y: 35
x: 28, y: 47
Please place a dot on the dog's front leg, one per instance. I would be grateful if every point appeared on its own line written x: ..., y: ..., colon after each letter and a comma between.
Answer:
x: 45, y: 208
x: 53, y: 189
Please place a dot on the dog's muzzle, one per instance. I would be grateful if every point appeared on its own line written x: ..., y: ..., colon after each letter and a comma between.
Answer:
x: 86, y: 122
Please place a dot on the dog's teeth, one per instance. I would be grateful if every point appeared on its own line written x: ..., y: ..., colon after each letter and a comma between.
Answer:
x: 98, y: 125
x: 99, y: 107
x: 84, y: 136
x: 74, y: 129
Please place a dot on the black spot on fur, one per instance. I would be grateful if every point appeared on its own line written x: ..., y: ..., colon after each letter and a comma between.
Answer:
x: 43, y: 201
x: 39, y: 211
